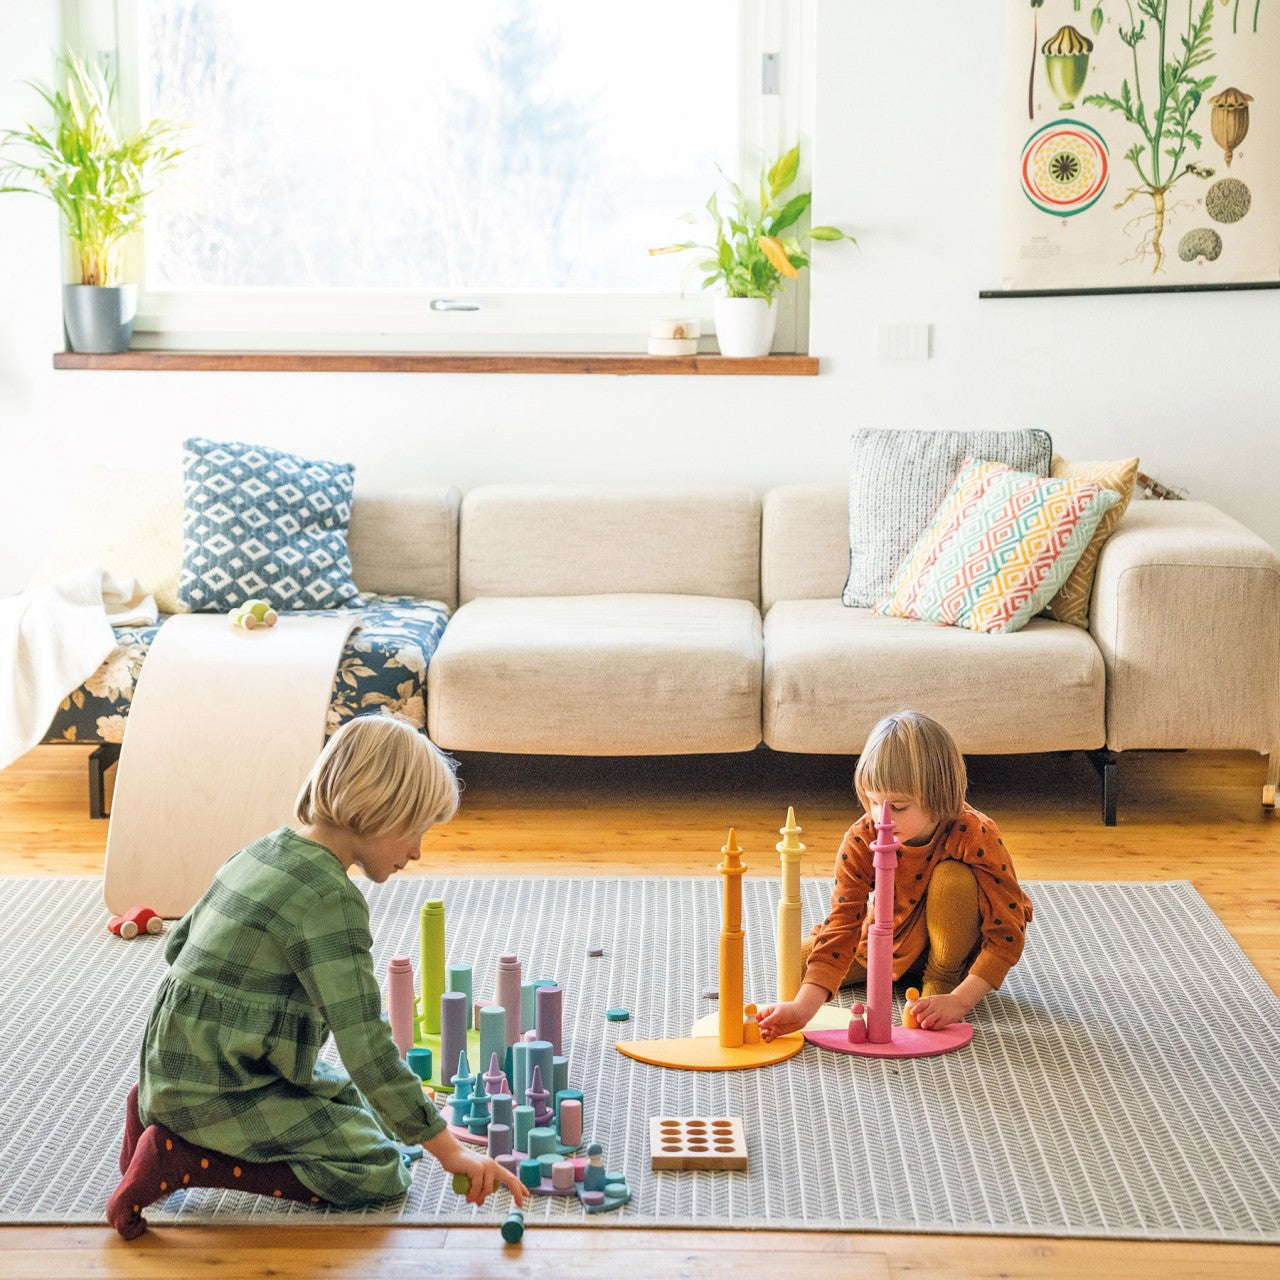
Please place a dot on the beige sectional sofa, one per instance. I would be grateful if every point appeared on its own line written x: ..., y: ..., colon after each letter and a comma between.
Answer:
x: 650, y: 620
x: 627, y: 620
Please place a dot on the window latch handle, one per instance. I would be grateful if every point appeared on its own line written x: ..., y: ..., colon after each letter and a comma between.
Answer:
x: 450, y: 304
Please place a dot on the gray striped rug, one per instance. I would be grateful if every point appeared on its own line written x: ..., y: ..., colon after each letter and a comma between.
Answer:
x: 1124, y: 1082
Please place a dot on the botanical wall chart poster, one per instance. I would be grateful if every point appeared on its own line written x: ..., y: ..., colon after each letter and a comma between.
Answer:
x: 1143, y: 143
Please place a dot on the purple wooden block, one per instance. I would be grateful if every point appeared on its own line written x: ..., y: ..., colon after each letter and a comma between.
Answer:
x: 499, y: 1140
x: 549, y: 1011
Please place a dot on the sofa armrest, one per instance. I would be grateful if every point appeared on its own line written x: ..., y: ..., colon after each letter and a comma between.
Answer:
x: 1186, y: 612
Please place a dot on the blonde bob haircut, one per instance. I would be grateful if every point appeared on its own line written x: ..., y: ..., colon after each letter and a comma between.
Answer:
x: 377, y: 775
x: 909, y: 754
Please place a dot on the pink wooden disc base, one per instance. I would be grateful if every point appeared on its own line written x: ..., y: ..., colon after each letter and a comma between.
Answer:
x: 904, y: 1043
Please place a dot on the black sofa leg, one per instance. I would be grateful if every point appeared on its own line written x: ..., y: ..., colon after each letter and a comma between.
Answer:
x: 99, y: 762
x: 1105, y: 761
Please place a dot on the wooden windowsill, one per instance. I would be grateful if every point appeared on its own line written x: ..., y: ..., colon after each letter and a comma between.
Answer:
x: 440, y: 362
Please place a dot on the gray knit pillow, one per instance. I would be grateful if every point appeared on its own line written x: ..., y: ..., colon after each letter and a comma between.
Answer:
x: 896, y: 481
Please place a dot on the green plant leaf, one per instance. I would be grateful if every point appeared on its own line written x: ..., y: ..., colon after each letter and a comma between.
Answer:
x: 790, y: 213
x: 1113, y: 104
x: 783, y: 173
x: 96, y: 177
x: 737, y: 259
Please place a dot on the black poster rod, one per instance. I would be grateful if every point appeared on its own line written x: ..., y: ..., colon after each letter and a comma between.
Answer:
x: 1153, y: 288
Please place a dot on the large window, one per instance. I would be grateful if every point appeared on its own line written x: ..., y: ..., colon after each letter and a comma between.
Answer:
x: 349, y: 166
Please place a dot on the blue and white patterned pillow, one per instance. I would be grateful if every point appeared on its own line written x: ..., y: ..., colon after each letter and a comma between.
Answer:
x: 259, y: 522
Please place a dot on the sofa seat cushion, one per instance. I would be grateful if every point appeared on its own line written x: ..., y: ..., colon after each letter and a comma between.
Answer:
x: 832, y: 672
x: 631, y: 674
x: 383, y: 668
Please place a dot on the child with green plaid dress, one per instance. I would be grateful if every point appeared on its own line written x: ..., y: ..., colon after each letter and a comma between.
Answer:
x: 273, y: 958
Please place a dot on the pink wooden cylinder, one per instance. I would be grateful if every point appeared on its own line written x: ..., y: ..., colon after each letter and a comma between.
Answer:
x: 400, y: 1002
x: 570, y: 1122
x: 507, y: 993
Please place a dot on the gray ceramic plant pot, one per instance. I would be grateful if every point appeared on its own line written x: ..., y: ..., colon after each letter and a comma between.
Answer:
x: 99, y: 317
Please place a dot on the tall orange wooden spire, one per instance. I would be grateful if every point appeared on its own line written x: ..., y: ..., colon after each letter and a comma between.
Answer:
x: 732, y: 939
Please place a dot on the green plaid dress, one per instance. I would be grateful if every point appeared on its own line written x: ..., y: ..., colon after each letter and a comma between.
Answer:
x: 272, y: 958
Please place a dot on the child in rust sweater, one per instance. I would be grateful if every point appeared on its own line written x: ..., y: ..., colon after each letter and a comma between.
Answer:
x: 960, y: 916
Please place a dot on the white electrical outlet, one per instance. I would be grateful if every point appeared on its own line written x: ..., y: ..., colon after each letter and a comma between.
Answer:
x: 904, y: 341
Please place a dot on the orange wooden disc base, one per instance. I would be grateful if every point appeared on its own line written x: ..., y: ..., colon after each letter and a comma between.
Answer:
x: 904, y: 1043
x: 705, y: 1053
x: 828, y: 1018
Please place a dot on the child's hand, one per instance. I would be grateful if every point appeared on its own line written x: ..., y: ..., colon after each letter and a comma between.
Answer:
x: 781, y: 1019
x: 484, y: 1175
x: 935, y: 1012
x: 791, y: 1015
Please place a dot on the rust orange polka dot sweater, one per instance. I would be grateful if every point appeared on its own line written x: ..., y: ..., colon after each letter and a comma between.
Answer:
x: 973, y: 839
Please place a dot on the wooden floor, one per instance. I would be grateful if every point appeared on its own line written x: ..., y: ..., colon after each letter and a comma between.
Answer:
x: 1193, y: 816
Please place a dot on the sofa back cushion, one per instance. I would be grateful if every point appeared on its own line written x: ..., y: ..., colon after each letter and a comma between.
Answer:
x: 569, y: 540
x: 804, y: 543
x: 405, y: 542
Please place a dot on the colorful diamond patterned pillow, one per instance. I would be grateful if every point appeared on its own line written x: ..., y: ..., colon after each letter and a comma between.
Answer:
x: 1000, y: 546
x: 258, y: 522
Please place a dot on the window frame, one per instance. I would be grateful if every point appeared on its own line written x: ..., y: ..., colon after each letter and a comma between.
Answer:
x: 517, y: 321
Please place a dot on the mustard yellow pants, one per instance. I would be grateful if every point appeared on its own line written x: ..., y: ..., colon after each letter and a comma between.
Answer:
x: 954, y: 929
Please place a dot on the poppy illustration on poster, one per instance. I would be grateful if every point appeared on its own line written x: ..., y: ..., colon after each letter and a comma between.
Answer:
x: 1142, y: 144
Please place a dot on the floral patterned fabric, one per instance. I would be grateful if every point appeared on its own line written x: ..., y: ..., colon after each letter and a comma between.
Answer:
x: 383, y: 669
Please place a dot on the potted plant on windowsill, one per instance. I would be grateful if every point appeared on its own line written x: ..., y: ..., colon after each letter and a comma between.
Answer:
x: 752, y: 249
x: 99, y: 181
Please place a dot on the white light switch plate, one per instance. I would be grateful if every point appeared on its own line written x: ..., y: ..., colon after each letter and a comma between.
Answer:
x: 904, y: 341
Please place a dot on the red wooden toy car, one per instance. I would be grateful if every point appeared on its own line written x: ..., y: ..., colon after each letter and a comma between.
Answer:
x: 136, y: 921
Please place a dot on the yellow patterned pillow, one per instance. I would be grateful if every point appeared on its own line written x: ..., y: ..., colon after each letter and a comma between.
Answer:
x: 1071, y: 604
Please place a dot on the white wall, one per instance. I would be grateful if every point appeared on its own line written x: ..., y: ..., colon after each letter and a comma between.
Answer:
x: 907, y: 151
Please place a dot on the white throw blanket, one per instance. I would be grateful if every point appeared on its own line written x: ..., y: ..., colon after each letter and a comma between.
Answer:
x: 52, y: 639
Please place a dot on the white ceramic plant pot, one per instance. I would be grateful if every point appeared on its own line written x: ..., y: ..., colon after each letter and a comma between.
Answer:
x: 744, y: 326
